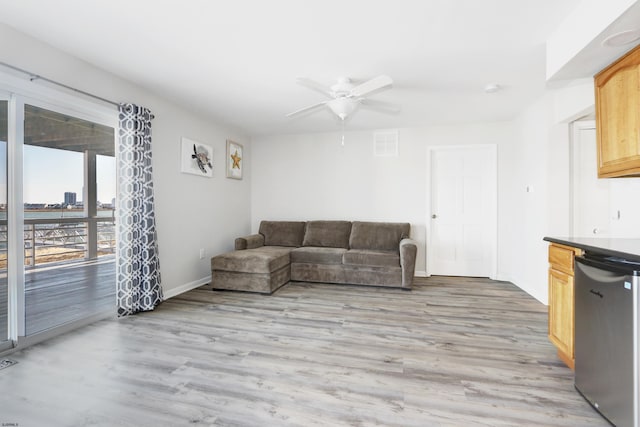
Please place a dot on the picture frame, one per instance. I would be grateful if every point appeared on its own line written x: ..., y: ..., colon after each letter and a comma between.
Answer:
x: 234, y: 161
x: 196, y: 158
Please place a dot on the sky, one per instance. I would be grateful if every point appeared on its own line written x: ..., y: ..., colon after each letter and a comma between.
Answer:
x: 49, y: 173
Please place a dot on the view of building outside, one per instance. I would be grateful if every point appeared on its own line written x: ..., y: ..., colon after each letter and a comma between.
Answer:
x: 69, y: 198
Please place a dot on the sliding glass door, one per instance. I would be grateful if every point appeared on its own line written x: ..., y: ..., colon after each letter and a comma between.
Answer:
x: 57, y: 211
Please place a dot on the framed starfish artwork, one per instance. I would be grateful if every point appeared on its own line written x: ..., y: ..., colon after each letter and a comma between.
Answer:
x: 235, y: 162
x: 196, y: 158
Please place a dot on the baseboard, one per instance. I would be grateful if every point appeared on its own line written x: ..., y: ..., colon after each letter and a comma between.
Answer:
x: 186, y: 287
x: 421, y: 273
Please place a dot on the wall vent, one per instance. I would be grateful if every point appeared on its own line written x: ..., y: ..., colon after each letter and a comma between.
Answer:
x: 385, y: 143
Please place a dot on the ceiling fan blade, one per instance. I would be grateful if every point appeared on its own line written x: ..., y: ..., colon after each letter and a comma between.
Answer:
x: 386, y: 107
x: 305, y: 109
x: 314, y: 85
x: 376, y: 83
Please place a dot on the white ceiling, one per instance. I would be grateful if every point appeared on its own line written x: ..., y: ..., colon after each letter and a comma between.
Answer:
x: 237, y: 61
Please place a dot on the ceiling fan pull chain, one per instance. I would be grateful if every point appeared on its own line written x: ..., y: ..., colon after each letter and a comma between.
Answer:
x: 343, y: 132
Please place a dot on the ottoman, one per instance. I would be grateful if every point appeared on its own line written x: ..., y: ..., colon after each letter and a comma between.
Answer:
x: 262, y: 269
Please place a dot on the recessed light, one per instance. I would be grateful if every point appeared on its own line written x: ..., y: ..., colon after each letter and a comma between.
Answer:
x: 492, y: 88
x: 622, y: 38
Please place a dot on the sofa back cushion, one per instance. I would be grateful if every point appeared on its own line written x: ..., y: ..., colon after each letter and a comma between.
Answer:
x: 327, y: 234
x: 381, y: 236
x: 282, y: 233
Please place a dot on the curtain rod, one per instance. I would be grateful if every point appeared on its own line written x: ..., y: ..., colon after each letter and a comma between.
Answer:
x: 33, y: 77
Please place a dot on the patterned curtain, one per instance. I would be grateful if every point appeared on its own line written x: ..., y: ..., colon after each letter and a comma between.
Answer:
x: 138, y: 266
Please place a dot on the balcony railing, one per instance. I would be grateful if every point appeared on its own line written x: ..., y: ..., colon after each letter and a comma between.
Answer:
x: 62, y: 239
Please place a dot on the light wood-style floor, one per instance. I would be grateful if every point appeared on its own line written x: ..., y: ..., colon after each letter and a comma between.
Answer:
x: 452, y: 352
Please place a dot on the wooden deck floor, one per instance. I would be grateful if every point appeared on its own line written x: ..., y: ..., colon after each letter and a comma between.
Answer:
x: 452, y: 352
x: 60, y: 293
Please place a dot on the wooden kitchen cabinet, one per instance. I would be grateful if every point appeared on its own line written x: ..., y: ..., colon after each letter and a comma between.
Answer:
x: 561, y: 300
x: 617, y: 92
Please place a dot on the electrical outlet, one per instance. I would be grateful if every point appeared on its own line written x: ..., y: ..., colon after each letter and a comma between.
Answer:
x: 202, y: 253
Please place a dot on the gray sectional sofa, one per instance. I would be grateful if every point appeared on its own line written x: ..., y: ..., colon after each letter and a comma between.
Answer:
x: 361, y: 253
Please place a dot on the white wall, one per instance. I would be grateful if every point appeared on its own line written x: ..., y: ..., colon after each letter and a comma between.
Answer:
x: 312, y: 176
x: 543, y: 166
x: 624, y: 199
x: 192, y: 212
x: 538, y: 193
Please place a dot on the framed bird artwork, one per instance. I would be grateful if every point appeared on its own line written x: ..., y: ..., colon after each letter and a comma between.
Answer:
x: 196, y: 158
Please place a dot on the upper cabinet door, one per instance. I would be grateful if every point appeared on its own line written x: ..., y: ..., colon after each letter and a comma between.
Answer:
x: 617, y: 90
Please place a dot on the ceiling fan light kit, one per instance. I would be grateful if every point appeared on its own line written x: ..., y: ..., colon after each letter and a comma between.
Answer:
x: 342, y: 107
x: 346, y: 97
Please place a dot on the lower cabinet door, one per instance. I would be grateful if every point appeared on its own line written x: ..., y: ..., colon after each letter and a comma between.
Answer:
x: 561, y: 316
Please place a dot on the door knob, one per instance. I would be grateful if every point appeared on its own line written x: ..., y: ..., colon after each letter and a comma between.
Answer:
x: 434, y: 216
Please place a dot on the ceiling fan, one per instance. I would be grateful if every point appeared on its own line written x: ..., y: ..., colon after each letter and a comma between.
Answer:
x: 346, y: 96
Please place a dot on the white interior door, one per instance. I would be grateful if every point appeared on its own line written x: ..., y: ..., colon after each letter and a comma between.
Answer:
x: 463, y: 211
x: 591, y: 196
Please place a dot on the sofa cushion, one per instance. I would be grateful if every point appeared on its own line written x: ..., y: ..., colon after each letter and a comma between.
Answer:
x: 282, y: 233
x: 371, y: 258
x: 317, y: 255
x: 381, y: 236
x: 266, y: 259
x: 327, y: 234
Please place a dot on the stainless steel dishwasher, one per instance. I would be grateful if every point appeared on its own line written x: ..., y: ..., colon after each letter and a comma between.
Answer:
x: 606, y: 336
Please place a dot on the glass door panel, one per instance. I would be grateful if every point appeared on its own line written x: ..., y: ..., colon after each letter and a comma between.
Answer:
x: 106, y: 206
x: 69, y: 269
x: 4, y: 289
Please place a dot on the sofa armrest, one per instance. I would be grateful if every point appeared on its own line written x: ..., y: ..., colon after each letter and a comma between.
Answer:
x: 249, y: 242
x: 408, y: 250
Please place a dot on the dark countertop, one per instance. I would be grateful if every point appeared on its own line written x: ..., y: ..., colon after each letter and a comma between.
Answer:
x: 622, y: 248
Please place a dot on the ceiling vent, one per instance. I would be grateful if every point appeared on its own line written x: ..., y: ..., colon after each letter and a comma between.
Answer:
x: 385, y: 143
